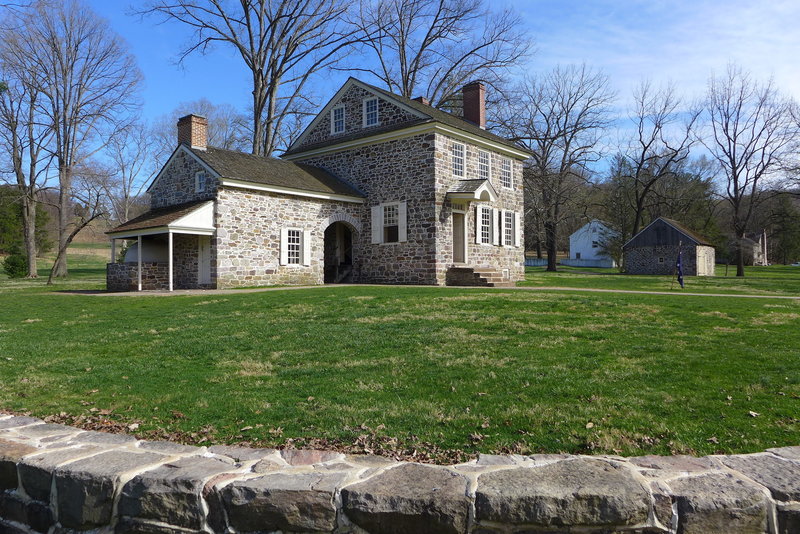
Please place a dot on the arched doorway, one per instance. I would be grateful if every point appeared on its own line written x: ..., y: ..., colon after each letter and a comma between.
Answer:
x: 338, y: 253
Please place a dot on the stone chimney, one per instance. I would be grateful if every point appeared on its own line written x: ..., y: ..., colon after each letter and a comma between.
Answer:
x: 423, y: 100
x: 193, y: 131
x: 474, y: 97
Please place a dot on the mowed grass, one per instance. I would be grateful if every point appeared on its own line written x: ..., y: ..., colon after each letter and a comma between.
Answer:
x: 450, y: 371
x: 769, y: 280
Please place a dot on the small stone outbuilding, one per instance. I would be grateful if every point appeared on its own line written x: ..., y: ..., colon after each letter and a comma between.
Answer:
x: 654, y: 250
x: 379, y: 188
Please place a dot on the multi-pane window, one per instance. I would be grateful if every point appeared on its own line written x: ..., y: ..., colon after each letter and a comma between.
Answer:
x: 200, y: 182
x: 505, y: 173
x: 391, y: 223
x: 486, y: 225
x: 508, y: 228
x: 595, y: 244
x: 483, y: 165
x: 294, y: 246
x: 458, y: 159
x: 371, y: 112
x: 337, y: 120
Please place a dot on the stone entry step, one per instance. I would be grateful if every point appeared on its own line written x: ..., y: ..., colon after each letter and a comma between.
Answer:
x: 476, y: 277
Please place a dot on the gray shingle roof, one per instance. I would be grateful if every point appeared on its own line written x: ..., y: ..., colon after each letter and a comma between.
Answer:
x: 158, y: 217
x: 466, y: 186
x: 273, y: 171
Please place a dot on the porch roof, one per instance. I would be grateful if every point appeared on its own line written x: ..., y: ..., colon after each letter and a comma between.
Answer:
x: 469, y: 190
x: 192, y: 217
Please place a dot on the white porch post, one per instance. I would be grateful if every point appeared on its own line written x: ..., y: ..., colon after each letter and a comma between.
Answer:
x: 113, y: 250
x: 169, y: 258
x: 139, y: 258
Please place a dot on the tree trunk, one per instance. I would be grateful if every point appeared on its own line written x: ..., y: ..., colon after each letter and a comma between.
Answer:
x: 551, y: 245
x: 60, y: 266
x: 740, y: 260
x: 29, y: 233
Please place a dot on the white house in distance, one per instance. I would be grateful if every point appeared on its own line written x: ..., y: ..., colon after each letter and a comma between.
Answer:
x: 585, y: 246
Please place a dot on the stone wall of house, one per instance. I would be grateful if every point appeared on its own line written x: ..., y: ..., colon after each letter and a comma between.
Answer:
x: 176, y: 185
x: 660, y: 260
x: 125, y: 276
x: 59, y: 479
x: 500, y: 258
x: 247, y: 241
x: 185, y: 258
x: 393, y: 171
x: 353, y: 101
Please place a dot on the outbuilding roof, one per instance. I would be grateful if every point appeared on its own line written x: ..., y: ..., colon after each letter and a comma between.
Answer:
x: 158, y: 217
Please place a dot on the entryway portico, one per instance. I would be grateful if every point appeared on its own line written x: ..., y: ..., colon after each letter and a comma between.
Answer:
x: 168, y: 241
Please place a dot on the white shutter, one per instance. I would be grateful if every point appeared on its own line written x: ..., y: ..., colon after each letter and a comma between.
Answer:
x: 517, y: 229
x: 478, y: 213
x: 306, y: 247
x: 284, y: 248
x: 377, y: 224
x: 495, y: 229
x: 402, y: 222
x: 502, y: 225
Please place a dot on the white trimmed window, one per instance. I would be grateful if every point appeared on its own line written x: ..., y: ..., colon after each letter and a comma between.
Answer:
x: 484, y: 165
x: 370, y: 112
x: 508, y: 228
x: 485, y: 225
x: 295, y: 247
x: 200, y: 182
x: 457, y: 152
x: 505, y: 174
x: 389, y: 223
x: 337, y: 120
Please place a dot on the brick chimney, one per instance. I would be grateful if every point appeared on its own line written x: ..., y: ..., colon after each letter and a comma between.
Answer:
x: 193, y: 131
x: 474, y: 97
x: 423, y: 100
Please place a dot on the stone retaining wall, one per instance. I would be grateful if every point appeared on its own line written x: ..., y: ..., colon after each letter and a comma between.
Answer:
x: 59, y: 479
x: 125, y: 277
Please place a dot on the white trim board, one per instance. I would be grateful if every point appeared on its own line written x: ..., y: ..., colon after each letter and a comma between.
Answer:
x: 241, y: 184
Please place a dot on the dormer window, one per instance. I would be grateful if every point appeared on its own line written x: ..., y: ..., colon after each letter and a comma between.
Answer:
x: 337, y: 120
x: 370, y: 112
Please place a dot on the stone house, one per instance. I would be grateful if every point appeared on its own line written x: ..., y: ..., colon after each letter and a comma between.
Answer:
x: 654, y: 250
x: 378, y: 189
x: 586, y: 246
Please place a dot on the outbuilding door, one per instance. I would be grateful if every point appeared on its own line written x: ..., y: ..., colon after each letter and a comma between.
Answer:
x: 459, y: 238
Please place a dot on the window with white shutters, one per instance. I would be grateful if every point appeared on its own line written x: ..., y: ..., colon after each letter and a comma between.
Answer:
x: 508, y: 228
x: 294, y: 247
x: 389, y: 223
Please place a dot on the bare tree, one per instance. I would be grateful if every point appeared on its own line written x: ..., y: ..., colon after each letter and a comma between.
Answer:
x: 434, y: 47
x: 131, y: 152
x: 227, y: 128
x: 559, y: 117
x: 88, y: 81
x: 282, y: 42
x: 751, y: 135
x: 661, y: 142
x: 23, y: 139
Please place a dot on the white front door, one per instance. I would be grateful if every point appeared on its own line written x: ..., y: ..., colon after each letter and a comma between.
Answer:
x: 203, y: 259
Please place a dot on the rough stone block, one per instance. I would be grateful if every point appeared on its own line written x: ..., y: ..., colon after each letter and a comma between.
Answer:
x: 788, y: 518
x: 171, y: 493
x: 409, y: 498
x: 781, y: 477
x: 18, y: 421
x: 36, y: 472
x: 10, y: 455
x: 103, y: 438
x: 170, y: 448
x: 240, y: 454
x: 309, y: 457
x: 580, y: 492
x: 674, y: 463
x: 792, y: 453
x: 128, y: 525
x: 292, y: 502
x: 719, y: 503
x: 47, y: 430
x: 85, y: 488
x: 35, y: 514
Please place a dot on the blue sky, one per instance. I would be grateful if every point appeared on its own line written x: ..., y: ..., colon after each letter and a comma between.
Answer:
x: 679, y: 41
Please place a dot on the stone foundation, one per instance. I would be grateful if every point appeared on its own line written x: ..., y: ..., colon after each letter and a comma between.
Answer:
x: 59, y: 479
x: 125, y: 276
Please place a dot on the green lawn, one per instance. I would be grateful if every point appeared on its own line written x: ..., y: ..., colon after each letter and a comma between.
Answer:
x: 772, y: 280
x: 445, y: 372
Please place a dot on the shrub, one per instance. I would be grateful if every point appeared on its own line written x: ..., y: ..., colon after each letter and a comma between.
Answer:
x: 16, y: 265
